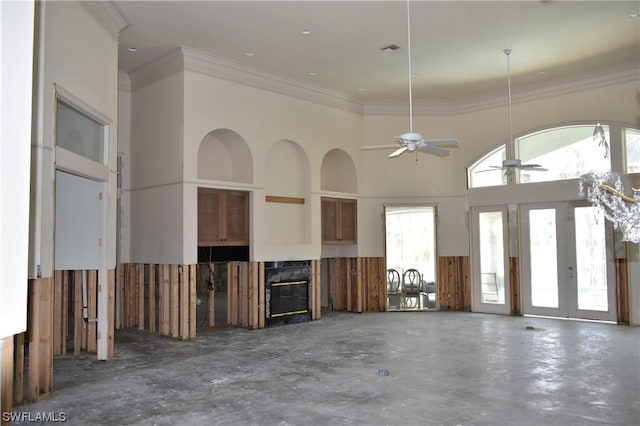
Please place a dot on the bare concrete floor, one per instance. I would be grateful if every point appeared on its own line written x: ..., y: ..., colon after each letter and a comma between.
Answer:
x: 444, y: 368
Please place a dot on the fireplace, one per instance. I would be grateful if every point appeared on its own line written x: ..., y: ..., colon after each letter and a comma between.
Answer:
x: 288, y: 292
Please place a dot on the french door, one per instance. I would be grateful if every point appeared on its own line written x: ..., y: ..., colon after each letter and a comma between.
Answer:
x: 567, y: 261
x: 490, y: 246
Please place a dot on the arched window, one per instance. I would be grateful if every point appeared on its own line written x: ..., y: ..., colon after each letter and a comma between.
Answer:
x: 482, y: 172
x: 563, y: 152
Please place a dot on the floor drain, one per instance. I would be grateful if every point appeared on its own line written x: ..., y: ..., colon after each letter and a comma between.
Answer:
x: 383, y: 373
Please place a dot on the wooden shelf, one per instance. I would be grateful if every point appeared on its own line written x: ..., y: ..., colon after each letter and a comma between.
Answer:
x: 288, y: 200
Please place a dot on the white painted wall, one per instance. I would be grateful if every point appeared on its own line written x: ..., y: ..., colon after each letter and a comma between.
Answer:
x: 442, y: 180
x: 16, y: 59
x: 156, y: 171
x: 262, y: 118
x: 85, y: 67
x: 124, y: 150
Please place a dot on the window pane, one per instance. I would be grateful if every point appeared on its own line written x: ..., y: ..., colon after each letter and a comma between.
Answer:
x: 567, y: 153
x: 544, y: 263
x: 483, y: 172
x: 591, y: 255
x: 491, y: 257
x: 78, y: 133
x: 632, y: 150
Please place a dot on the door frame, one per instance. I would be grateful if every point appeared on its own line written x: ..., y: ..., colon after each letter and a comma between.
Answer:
x: 385, y: 208
x: 476, y: 290
x: 566, y: 256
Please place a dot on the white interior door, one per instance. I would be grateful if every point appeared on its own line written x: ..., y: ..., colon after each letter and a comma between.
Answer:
x: 491, y: 286
x: 567, y: 262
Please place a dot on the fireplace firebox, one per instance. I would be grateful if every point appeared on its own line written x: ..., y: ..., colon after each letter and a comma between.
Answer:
x: 288, y: 292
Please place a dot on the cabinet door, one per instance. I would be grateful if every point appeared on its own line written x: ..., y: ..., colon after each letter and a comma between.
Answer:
x: 339, y: 224
x: 329, y: 220
x: 209, y: 215
x: 236, y: 218
x: 347, y: 226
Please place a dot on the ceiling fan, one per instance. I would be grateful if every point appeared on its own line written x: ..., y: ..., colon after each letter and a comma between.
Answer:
x: 412, y: 141
x: 509, y: 166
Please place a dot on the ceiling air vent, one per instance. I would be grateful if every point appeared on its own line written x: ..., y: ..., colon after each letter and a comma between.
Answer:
x: 392, y: 47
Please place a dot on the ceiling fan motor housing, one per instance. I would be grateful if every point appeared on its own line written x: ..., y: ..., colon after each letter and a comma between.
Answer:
x: 511, y: 163
x: 411, y: 137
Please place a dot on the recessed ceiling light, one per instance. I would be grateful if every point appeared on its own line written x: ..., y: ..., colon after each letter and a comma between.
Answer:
x: 542, y: 72
x: 634, y: 16
x: 306, y: 32
x: 250, y: 53
x: 361, y: 89
x: 312, y: 73
x: 132, y: 49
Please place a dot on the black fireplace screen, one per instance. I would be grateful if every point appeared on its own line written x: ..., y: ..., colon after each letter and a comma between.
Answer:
x: 288, y: 294
x: 289, y: 298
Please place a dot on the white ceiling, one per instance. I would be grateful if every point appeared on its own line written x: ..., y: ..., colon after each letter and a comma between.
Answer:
x: 457, y: 46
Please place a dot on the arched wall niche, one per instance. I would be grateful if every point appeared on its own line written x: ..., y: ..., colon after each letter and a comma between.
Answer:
x: 338, y: 172
x: 224, y: 155
x: 288, y: 175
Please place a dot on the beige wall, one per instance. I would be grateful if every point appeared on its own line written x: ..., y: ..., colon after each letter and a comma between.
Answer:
x: 156, y: 171
x: 442, y: 181
x: 86, y: 68
x: 263, y: 118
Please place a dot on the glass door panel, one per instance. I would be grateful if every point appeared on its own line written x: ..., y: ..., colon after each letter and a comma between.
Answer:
x: 543, y: 257
x: 491, y: 291
x: 591, y: 257
x: 491, y: 257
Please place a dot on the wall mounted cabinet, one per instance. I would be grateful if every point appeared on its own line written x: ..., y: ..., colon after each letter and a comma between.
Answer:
x: 223, y: 217
x: 339, y: 225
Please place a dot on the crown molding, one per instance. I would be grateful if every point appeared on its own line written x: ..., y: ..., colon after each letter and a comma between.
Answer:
x: 108, y: 15
x: 218, y: 67
x: 185, y: 58
x: 157, y: 69
x: 188, y: 59
x: 616, y: 74
x: 124, y: 82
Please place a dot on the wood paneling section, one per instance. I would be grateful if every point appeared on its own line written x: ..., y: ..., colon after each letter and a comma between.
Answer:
x: 32, y: 351
x: 55, y: 312
x: 358, y: 284
x: 6, y: 385
x: 622, y: 291
x: 160, y: 299
x: 245, y: 294
x: 514, y: 281
x: 69, y: 314
x: 454, y: 283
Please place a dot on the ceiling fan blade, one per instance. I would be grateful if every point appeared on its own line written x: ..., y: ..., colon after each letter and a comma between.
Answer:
x: 398, y: 152
x: 491, y: 169
x: 535, y: 167
x: 442, y: 142
x: 374, y: 147
x: 434, y: 150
